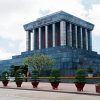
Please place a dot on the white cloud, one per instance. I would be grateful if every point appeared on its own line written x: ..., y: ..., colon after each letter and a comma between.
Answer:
x: 15, y: 13
x: 70, y: 6
x: 89, y: 3
x: 95, y: 18
x: 4, y: 54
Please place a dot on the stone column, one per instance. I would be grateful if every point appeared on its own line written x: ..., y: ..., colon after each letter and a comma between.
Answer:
x: 89, y: 40
x: 53, y: 29
x: 28, y: 41
x: 33, y: 40
x: 69, y: 30
x: 76, y: 43
x: 63, y: 32
x: 81, y: 38
x: 39, y: 37
x: 86, y: 40
x: 46, y: 36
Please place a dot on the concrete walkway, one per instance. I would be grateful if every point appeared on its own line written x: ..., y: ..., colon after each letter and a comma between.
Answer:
x: 89, y: 89
x: 13, y: 94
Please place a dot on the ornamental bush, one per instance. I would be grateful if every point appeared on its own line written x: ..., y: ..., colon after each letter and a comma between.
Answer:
x: 80, y: 76
x: 55, y: 76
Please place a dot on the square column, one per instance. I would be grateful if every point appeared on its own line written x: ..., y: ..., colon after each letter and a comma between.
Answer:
x: 63, y: 32
x: 28, y: 40
x: 69, y: 30
x: 33, y: 40
x: 81, y: 38
x: 39, y: 37
x: 46, y: 36
x: 86, y: 40
x: 76, y: 43
x: 53, y: 28
x: 89, y: 40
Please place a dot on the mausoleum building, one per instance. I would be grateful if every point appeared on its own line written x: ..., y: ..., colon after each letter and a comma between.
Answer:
x: 59, y: 29
x: 62, y: 36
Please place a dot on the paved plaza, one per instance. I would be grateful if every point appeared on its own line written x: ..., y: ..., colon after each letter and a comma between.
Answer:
x: 89, y: 89
x: 13, y: 94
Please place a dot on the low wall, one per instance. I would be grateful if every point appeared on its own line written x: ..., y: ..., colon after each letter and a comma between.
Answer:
x: 93, y: 80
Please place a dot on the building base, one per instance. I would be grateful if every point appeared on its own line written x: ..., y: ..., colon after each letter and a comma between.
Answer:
x: 67, y: 59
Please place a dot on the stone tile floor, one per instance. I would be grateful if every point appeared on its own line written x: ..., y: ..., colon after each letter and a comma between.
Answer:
x: 63, y: 87
x: 13, y: 94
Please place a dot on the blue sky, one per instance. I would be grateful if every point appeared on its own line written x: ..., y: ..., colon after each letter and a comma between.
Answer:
x: 15, y: 13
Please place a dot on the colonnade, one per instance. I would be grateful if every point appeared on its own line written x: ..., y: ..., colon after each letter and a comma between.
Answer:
x: 59, y: 34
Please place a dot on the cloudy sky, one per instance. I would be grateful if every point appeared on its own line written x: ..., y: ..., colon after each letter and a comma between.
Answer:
x: 15, y: 13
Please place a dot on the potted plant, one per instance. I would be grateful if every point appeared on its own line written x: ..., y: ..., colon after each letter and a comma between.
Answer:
x: 80, y: 79
x: 5, y: 78
x: 55, y: 78
x: 98, y: 87
x: 90, y: 72
x: 12, y: 73
x: 18, y: 78
x: 35, y: 78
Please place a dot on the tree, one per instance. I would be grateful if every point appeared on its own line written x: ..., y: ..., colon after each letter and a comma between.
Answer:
x: 24, y: 70
x: 13, y: 69
x: 39, y: 61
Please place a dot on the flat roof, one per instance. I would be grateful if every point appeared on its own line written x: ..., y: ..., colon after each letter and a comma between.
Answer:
x: 55, y: 17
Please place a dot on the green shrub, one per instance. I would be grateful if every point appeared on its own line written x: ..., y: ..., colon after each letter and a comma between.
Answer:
x: 35, y: 76
x: 5, y: 75
x: 18, y: 75
x: 80, y: 76
x: 98, y: 84
x: 55, y: 76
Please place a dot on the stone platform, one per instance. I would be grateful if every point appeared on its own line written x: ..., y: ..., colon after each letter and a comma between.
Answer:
x: 68, y: 59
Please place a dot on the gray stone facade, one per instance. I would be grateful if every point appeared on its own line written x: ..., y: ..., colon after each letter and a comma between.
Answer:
x: 68, y: 59
x: 55, y: 17
x: 62, y: 36
x: 58, y: 29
